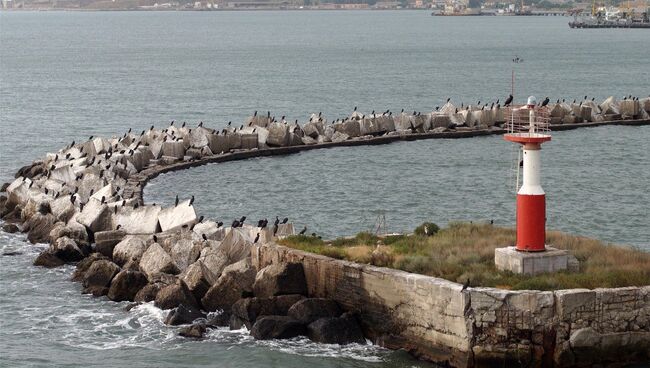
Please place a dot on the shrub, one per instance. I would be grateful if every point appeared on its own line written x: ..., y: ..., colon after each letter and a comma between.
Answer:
x: 427, y: 229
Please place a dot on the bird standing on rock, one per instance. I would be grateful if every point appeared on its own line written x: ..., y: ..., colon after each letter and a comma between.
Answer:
x: 285, y: 220
x: 508, y: 100
x: 545, y: 102
x: 176, y: 202
x: 191, y: 200
x: 465, y: 286
x: 303, y: 231
x: 257, y: 237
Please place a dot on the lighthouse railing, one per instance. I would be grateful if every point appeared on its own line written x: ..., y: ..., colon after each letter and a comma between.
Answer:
x: 521, y: 121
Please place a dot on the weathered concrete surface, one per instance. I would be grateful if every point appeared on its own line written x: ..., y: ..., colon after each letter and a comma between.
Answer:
x: 531, y: 263
x: 173, y: 218
x: 432, y: 318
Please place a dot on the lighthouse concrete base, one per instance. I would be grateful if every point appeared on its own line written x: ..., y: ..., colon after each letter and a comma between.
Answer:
x: 533, y: 263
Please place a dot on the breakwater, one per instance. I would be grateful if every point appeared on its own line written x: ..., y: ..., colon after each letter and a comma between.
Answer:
x: 101, y: 214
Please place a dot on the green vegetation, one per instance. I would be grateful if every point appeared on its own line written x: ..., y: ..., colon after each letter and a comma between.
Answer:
x: 461, y: 251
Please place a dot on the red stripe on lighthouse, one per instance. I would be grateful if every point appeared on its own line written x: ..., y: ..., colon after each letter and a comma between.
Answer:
x: 531, y: 222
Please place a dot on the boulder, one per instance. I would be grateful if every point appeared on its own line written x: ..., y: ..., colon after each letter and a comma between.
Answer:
x: 39, y: 227
x: 308, y: 310
x: 155, y: 261
x: 175, y: 217
x: 629, y: 108
x: 47, y: 259
x: 339, y: 137
x: 235, y: 282
x: 130, y: 248
x: 214, y: 260
x: 126, y: 285
x: 105, y: 241
x: 148, y: 293
x: 277, y: 327
x: 236, y: 244
x: 171, y: 296
x: 280, y: 279
x: 195, y: 331
x: 313, y: 129
x: 210, y: 229
x: 98, y: 277
x: 183, y: 315
x: 440, y: 121
x: 95, y: 216
x: 84, y: 265
x: 62, y: 208
x: 336, y: 330
x: 195, y: 279
x: 66, y: 250
x: 76, y: 232
x: 185, y: 252
x: 141, y: 220
x: 10, y: 228
x: 246, y: 311
x: 234, y: 140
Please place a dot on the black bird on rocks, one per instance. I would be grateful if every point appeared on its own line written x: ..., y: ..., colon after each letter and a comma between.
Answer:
x: 545, y: 102
x: 200, y: 219
x: 508, y: 100
x: 257, y: 237
x: 303, y: 231
x: 103, y: 199
x: 235, y: 224
x: 465, y: 286
x: 285, y: 220
x: 118, y: 227
x: 275, y: 229
x: 277, y: 221
x: 205, y: 238
x: 219, y: 224
x: 191, y: 200
x: 176, y: 202
x: 155, y: 239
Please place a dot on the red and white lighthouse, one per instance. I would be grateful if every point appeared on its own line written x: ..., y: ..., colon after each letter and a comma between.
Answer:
x: 530, y: 130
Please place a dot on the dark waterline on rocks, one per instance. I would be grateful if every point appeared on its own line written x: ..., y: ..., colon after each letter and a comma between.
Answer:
x: 131, y: 69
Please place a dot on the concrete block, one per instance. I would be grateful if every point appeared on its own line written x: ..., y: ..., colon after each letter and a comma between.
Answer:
x: 236, y: 245
x: 349, y: 127
x: 175, y: 217
x: 440, y: 121
x: 174, y: 149
x: 385, y: 124
x: 403, y: 122
x: 610, y: 106
x: 141, y: 220
x: 95, y: 216
x: 339, y: 137
x: 234, y: 141
x: 218, y: 143
x: 249, y: 141
x: 629, y: 108
x: 278, y: 135
x: 531, y: 263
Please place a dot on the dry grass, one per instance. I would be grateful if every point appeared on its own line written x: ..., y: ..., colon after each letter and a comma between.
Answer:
x: 461, y: 251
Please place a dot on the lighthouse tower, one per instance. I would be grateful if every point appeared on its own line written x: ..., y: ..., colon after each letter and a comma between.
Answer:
x: 528, y: 126
x: 531, y: 199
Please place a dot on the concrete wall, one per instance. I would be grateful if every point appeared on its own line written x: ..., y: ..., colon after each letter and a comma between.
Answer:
x: 432, y: 318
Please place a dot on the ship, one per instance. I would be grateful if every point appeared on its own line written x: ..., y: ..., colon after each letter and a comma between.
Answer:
x: 611, y: 17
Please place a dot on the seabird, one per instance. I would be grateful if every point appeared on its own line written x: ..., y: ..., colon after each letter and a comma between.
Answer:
x: 176, y: 202
x: 465, y: 285
x: 545, y: 102
x: 257, y: 237
x: 235, y: 224
x: 118, y: 227
x: 219, y: 224
x: 200, y: 219
x: 303, y: 231
x: 205, y: 238
x: 155, y: 239
x: 241, y: 220
x: 508, y: 100
x: 284, y: 221
x: 191, y: 200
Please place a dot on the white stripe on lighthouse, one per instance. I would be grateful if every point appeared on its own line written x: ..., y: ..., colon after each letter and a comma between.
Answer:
x: 532, y: 167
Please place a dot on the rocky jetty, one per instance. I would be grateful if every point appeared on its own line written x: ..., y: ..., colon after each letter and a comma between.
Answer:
x: 85, y: 201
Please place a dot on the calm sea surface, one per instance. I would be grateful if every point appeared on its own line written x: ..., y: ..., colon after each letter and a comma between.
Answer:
x: 69, y: 75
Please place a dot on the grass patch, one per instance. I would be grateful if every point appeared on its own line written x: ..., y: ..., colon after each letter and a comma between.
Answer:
x: 465, y: 250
